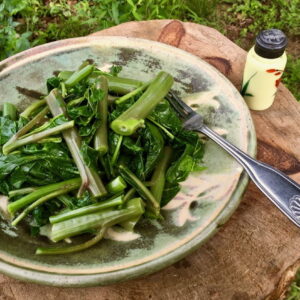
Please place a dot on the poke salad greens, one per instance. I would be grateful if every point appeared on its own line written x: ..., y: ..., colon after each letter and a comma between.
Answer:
x: 97, y: 151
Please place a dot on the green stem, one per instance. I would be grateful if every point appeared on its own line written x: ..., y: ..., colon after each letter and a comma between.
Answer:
x: 71, y: 249
x: 100, y: 139
x: 90, y: 178
x: 56, y: 140
x: 79, y: 75
x: 26, y: 128
x: 46, y: 125
x: 36, y: 137
x: 67, y: 201
x: 65, y: 75
x: 42, y: 200
x: 117, y: 151
x: 104, y: 218
x: 75, y: 101
x: 137, y: 184
x: 116, y: 186
x: 23, y: 191
x: 129, y: 195
x: 13, y: 207
x: 133, y: 118
x: 130, y: 224
x: 32, y: 107
x: 165, y: 130
x: 9, y: 110
x: 86, y: 210
x: 122, y: 86
x: 158, y: 176
x: 4, y: 213
x: 132, y: 94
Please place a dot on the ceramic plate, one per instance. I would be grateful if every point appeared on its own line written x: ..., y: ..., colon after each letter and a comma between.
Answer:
x: 206, y: 200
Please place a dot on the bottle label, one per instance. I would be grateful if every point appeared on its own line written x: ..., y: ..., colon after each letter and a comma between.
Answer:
x: 277, y: 73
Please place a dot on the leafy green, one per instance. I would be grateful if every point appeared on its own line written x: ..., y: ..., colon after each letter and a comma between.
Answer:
x: 36, y: 164
x: 150, y: 160
x: 7, y: 129
x: 90, y: 155
x: 52, y: 83
x: 180, y: 168
x: 165, y: 115
x: 170, y: 191
x: 153, y: 145
x: 115, y: 70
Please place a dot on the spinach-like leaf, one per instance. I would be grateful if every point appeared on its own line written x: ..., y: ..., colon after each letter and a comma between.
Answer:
x: 52, y: 83
x: 170, y: 191
x: 165, y: 115
x: 153, y: 145
x: 115, y: 70
x: 90, y: 155
x: 120, y: 108
x: 131, y: 146
x: 180, y: 169
x: 8, y: 128
x: 42, y: 213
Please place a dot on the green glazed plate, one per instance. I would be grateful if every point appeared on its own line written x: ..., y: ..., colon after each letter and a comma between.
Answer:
x: 207, y: 199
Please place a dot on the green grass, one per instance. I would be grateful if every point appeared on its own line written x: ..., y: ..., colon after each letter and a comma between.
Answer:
x: 294, y: 291
x: 27, y: 23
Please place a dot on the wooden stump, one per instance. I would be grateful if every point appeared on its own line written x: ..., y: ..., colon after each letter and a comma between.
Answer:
x: 256, y: 254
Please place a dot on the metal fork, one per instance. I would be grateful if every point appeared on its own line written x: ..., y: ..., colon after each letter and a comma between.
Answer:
x: 279, y: 188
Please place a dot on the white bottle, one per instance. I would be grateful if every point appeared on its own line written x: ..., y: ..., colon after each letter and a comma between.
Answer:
x: 263, y: 69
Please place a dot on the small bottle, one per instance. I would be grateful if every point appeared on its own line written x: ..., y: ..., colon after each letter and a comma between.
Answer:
x: 263, y: 70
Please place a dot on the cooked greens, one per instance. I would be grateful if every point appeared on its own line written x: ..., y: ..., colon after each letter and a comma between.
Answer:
x: 99, y: 150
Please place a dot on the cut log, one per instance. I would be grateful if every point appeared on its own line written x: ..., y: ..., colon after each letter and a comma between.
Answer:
x: 255, y: 255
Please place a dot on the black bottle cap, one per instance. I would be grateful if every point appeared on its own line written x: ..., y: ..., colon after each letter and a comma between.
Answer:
x: 270, y: 43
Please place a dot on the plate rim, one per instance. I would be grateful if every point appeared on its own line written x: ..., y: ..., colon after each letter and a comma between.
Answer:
x: 68, y: 280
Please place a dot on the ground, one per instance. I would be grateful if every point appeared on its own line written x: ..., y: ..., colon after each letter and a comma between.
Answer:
x: 27, y: 23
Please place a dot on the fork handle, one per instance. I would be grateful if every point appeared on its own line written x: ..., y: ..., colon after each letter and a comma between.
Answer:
x: 279, y: 188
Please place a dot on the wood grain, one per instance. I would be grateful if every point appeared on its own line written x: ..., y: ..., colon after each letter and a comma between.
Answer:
x: 256, y: 253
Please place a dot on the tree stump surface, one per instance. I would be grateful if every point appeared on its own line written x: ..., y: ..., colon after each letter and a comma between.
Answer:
x: 255, y: 255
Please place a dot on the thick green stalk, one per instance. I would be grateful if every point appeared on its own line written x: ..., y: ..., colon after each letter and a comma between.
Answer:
x: 90, y: 178
x: 122, y: 86
x: 86, y: 210
x: 116, y: 186
x: 13, y: 207
x: 23, y: 191
x: 135, y: 92
x: 130, y: 224
x: 100, y: 139
x: 25, y: 129
x: 133, y: 118
x: 104, y: 218
x: 137, y: 184
x: 159, y: 174
x: 71, y: 249
x: 9, y: 110
x: 32, y: 107
x: 4, y: 213
x: 79, y: 75
x: 65, y: 75
x: 42, y: 200
x: 37, y: 137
